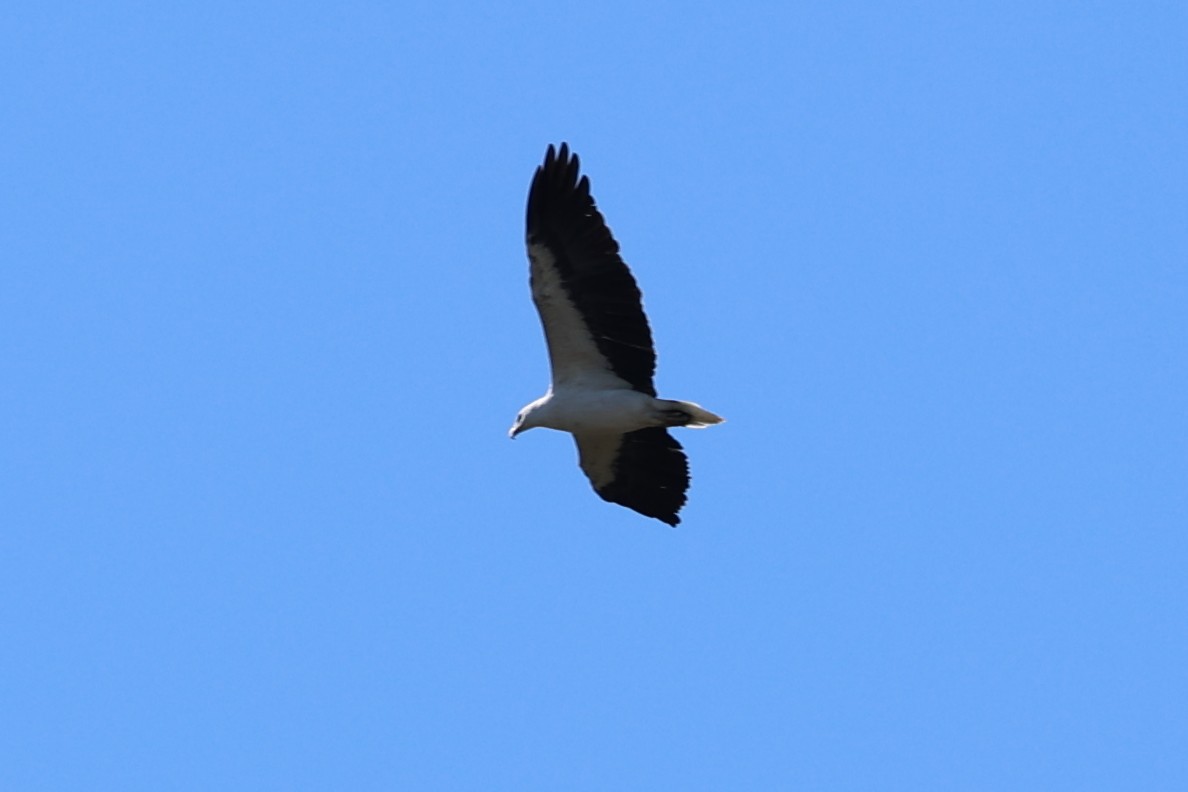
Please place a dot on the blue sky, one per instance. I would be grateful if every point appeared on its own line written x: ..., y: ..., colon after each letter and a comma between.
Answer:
x: 265, y: 321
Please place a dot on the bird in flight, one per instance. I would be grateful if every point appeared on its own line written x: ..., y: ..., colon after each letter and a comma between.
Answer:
x: 600, y: 351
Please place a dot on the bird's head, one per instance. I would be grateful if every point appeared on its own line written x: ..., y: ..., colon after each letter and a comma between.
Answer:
x: 524, y: 421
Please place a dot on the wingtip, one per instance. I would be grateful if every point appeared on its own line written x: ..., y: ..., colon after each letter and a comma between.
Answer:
x: 560, y: 156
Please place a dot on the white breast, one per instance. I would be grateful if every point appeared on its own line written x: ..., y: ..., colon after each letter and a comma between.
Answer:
x: 581, y: 410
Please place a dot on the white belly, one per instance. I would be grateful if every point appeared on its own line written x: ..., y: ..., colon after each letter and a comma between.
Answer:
x: 598, y: 411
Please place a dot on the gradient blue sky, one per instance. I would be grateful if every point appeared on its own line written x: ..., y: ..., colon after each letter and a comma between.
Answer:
x: 265, y: 323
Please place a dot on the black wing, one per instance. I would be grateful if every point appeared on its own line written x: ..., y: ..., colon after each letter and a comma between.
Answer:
x: 644, y: 470
x: 563, y: 218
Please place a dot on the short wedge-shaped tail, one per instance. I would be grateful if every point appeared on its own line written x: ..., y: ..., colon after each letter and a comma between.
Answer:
x: 700, y: 417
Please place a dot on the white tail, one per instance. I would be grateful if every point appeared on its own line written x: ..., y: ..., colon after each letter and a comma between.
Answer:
x: 701, y: 416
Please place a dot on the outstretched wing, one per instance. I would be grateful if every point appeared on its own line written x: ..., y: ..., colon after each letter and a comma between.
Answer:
x: 589, y: 303
x: 644, y: 470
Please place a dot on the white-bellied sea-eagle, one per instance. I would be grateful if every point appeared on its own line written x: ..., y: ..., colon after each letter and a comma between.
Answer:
x: 600, y: 350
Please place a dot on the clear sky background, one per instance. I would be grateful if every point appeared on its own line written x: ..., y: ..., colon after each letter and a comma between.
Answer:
x: 265, y: 323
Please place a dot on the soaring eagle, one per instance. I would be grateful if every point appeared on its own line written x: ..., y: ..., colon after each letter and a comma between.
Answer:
x: 600, y: 350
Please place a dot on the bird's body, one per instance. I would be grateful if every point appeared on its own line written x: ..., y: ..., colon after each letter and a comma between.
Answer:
x: 600, y: 351
x: 618, y: 410
x: 593, y: 410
